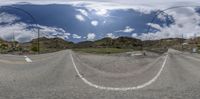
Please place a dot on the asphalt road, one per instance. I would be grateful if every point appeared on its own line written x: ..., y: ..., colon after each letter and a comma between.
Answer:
x: 70, y: 75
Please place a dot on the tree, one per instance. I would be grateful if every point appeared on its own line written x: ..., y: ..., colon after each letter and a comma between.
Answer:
x: 34, y: 48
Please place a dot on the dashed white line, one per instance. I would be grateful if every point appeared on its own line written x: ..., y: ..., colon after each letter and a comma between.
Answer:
x: 27, y: 59
x: 119, y: 89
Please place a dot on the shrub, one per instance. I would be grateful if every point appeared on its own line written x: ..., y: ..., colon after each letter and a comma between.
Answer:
x: 35, y: 49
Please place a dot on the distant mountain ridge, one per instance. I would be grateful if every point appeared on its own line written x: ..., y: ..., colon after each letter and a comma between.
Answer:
x: 55, y: 44
x: 121, y: 42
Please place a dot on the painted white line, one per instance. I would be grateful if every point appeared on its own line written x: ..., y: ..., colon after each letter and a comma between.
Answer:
x: 119, y: 89
x: 27, y: 59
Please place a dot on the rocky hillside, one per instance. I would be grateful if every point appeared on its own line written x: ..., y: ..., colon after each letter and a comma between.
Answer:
x: 121, y: 42
x: 56, y: 44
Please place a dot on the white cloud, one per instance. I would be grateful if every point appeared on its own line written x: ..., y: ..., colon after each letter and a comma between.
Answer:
x: 101, y: 12
x: 100, y: 1
x: 186, y: 21
x: 8, y: 18
x: 101, y: 7
x: 91, y: 36
x: 139, y: 5
x: 134, y: 35
x: 83, y: 12
x: 18, y: 30
x: 80, y: 17
x: 162, y: 17
x: 94, y: 23
x: 76, y: 36
x: 111, y: 35
x: 51, y: 32
x: 186, y: 24
x: 156, y: 26
x: 127, y: 29
x: 22, y: 33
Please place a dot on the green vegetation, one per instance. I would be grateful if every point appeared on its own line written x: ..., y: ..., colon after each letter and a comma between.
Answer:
x: 109, y: 45
x: 49, y: 45
x: 7, y: 47
x: 198, y: 46
x: 103, y: 50
x: 34, y: 49
x: 102, y: 46
x: 119, y: 43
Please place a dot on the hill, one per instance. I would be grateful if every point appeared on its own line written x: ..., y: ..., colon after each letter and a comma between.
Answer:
x: 85, y: 44
x: 121, y: 43
x: 104, y: 45
x: 9, y: 46
x: 109, y: 45
x: 49, y: 44
x: 169, y: 42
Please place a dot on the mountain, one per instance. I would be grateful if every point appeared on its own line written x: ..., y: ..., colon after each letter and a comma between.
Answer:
x: 127, y: 42
x: 85, y: 44
x: 121, y: 42
x: 56, y: 44
x: 9, y: 46
x: 49, y: 44
x: 168, y: 42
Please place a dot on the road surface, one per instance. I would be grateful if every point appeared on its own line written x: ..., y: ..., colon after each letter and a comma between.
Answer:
x: 70, y: 75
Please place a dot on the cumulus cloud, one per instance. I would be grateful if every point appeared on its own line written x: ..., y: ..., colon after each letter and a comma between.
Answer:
x: 22, y: 31
x: 155, y: 26
x: 80, y: 17
x: 101, y: 12
x: 7, y: 18
x: 51, y: 32
x: 186, y: 20
x: 18, y: 30
x: 162, y: 17
x: 111, y: 35
x: 22, y: 34
x: 134, y: 35
x: 187, y: 25
x: 91, y: 36
x: 94, y: 23
x: 127, y: 29
x: 76, y: 36
x: 101, y: 7
x: 83, y: 12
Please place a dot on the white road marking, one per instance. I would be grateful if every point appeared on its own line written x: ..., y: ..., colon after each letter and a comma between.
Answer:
x: 119, y: 89
x: 28, y: 59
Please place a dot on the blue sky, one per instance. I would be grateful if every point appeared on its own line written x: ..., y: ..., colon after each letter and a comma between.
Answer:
x: 81, y: 21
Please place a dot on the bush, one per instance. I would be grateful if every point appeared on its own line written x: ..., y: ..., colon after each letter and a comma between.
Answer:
x: 3, y: 46
x: 35, y: 49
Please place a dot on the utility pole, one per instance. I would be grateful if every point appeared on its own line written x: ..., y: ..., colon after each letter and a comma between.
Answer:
x: 195, y: 42
x: 182, y: 41
x: 38, y: 43
x: 195, y: 38
x: 56, y: 41
x: 13, y: 41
